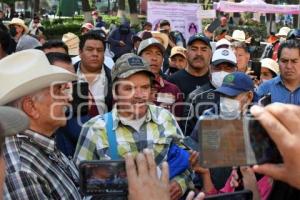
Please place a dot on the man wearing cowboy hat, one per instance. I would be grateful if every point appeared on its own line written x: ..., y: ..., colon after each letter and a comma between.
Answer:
x: 35, y: 168
x: 18, y: 30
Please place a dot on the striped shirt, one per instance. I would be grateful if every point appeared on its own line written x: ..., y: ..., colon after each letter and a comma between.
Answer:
x: 36, y: 169
x: 158, y: 131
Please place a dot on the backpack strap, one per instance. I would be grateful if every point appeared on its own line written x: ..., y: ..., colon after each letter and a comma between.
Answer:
x: 111, y: 136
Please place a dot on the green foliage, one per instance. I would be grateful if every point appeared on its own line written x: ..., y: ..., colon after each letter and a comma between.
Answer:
x: 111, y: 19
x: 57, y: 27
x: 57, y: 31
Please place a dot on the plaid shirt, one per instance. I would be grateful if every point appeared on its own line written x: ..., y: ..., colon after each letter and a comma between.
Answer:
x: 157, y: 132
x: 35, y: 169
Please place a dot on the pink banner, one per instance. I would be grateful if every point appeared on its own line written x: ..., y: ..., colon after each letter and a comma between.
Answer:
x: 258, y: 6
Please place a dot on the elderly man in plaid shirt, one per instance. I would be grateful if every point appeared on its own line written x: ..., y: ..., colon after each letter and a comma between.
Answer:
x: 135, y: 123
x: 35, y: 168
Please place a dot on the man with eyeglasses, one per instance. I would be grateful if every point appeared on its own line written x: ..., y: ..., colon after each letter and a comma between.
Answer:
x: 35, y: 168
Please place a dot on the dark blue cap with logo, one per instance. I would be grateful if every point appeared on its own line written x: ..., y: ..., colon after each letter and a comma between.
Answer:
x: 200, y: 37
x: 235, y: 84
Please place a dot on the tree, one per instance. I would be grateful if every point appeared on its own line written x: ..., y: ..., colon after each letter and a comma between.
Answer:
x: 36, y: 6
x: 132, y: 9
x: 11, y: 4
x: 87, y: 7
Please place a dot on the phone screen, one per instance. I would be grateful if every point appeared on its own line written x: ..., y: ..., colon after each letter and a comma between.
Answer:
x: 265, y: 100
x: 105, y: 178
x: 214, y: 25
x: 256, y: 67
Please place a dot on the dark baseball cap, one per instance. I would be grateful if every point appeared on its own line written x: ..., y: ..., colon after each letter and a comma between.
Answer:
x: 235, y: 84
x: 200, y: 37
x: 129, y: 64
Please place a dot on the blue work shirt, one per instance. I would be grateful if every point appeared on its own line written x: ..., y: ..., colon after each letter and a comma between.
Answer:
x: 279, y: 93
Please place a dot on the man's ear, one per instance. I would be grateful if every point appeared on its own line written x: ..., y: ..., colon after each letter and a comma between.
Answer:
x: 250, y: 96
x: 29, y: 107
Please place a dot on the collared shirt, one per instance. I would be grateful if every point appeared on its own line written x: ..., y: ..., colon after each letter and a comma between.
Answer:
x: 279, y: 93
x: 98, y: 88
x: 168, y: 96
x: 157, y: 132
x: 35, y: 169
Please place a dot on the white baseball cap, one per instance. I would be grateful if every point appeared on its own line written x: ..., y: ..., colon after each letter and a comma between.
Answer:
x: 223, y: 42
x: 223, y: 55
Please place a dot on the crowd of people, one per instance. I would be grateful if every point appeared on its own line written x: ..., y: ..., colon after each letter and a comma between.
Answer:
x: 112, y: 94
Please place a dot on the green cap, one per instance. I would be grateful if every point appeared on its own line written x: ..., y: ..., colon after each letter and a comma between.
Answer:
x: 129, y: 64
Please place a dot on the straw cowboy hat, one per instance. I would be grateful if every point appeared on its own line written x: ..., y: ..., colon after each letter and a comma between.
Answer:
x: 161, y: 37
x: 19, y: 22
x: 72, y: 41
x: 283, y: 31
x: 270, y: 64
x: 238, y: 35
x: 26, y: 72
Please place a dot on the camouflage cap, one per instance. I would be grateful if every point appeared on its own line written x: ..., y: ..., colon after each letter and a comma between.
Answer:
x: 129, y: 64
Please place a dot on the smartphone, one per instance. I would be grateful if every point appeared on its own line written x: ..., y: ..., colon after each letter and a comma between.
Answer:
x: 214, y: 25
x: 238, y: 142
x: 256, y: 67
x: 103, y: 178
x: 265, y: 100
x: 238, y: 195
x: 80, y: 93
x: 190, y: 144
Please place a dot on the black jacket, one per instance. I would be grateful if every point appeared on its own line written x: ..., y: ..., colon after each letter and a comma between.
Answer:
x: 198, y: 101
x: 109, y: 97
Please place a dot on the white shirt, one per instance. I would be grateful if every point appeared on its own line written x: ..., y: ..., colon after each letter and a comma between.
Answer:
x: 98, y: 88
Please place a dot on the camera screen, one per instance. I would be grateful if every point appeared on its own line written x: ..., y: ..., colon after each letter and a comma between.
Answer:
x: 225, y: 143
x: 107, y: 178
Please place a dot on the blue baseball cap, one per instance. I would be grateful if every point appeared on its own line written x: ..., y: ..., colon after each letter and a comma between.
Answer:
x: 200, y: 37
x: 235, y: 84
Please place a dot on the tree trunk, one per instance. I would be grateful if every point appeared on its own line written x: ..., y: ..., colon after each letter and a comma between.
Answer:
x: 86, y: 8
x: 12, y: 9
x: 36, y: 6
x: 133, y: 12
x: 121, y: 8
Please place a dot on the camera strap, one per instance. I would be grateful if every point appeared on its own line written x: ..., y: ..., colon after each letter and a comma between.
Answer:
x: 111, y: 136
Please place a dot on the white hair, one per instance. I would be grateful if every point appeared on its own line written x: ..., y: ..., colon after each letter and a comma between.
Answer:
x: 18, y: 103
